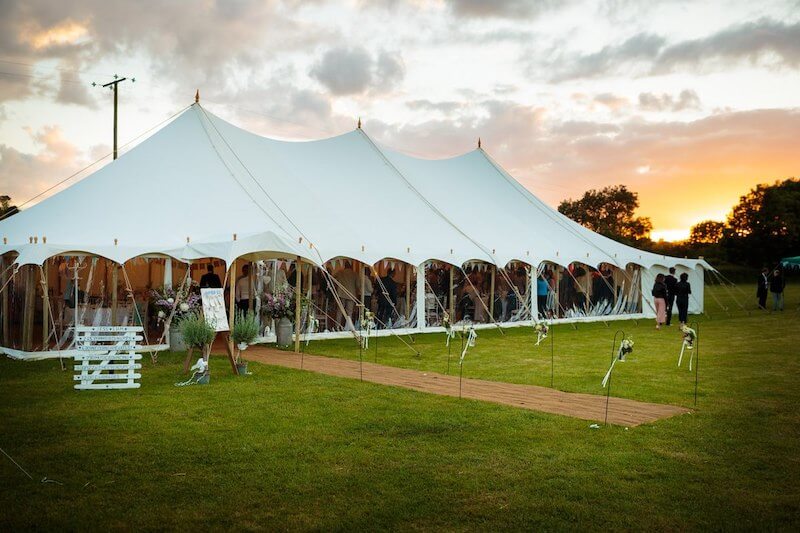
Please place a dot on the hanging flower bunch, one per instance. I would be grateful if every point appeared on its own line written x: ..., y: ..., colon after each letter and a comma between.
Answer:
x: 541, y: 329
x: 279, y: 305
x: 368, y: 321
x: 689, y: 336
x: 183, y: 301
x: 625, y: 347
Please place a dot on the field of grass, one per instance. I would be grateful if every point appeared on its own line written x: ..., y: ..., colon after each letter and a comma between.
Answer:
x: 295, y: 450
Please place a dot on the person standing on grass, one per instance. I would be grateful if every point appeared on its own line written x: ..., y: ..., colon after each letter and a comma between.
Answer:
x: 776, y: 286
x: 682, y: 291
x: 670, y: 282
x: 762, y: 288
x: 659, y: 293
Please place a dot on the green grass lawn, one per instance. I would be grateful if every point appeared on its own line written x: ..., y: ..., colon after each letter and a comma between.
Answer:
x: 285, y: 449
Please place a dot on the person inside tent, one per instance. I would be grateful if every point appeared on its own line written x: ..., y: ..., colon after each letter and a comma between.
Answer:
x: 210, y: 280
x: 346, y: 288
x: 388, y: 299
x: 368, y: 290
x: 542, y: 291
x: 243, y: 290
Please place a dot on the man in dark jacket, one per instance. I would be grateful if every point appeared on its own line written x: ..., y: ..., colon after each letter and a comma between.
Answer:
x: 762, y: 289
x: 776, y: 286
x: 385, y: 305
x: 670, y: 281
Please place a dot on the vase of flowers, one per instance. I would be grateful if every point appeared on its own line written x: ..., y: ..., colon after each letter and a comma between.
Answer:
x: 280, y: 307
x: 176, y: 304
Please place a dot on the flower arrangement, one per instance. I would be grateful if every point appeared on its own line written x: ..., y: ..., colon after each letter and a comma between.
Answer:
x: 625, y: 347
x: 279, y: 305
x: 689, y: 336
x: 165, y: 300
x: 367, y: 325
x: 541, y: 329
x: 448, y: 328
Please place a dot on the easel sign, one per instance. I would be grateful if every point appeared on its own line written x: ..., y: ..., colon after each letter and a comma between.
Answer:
x: 217, y: 317
x: 214, y: 308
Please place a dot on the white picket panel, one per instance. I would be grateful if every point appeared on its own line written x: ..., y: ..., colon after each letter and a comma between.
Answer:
x: 110, y: 366
x: 104, y: 351
x: 105, y: 356
x: 95, y: 386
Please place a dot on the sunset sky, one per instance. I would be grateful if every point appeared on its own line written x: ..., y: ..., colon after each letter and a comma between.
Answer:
x: 688, y: 103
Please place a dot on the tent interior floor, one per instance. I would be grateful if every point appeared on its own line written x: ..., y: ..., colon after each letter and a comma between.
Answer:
x: 584, y: 406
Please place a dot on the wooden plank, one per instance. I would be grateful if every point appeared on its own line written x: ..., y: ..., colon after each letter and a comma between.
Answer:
x: 93, y: 377
x: 109, y: 357
x: 103, y: 329
x: 110, y: 338
x: 95, y: 386
x: 110, y: 366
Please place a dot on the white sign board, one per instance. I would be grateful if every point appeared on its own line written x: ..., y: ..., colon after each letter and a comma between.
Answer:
x: 214, y: 308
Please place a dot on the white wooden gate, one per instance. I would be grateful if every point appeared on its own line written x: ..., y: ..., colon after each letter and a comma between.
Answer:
x: 109, y: 361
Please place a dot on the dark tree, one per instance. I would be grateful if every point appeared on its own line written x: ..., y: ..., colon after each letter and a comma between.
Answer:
x: 610, y: 212
x: 765, y: 225
x: 707, y: 232
x: 6, y: 209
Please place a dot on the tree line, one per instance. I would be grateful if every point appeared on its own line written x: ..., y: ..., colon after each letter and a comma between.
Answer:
x: 762, y: 228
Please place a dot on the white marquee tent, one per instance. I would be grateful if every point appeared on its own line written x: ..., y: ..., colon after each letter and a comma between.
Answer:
x: 201, y: 187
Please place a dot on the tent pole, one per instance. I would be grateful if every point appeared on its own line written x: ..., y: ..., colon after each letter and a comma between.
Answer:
x: 45, y: 304
x: 298, y: 281
x: 491, y: 292
x: 252, y: 282
x: 232, y: 294
x: 533, y: 295
x: 114, y: 292
x: 363, y: 281
x: 421, y: 297
x: 27, y: 320
x: 4, y: 301
x: 452, y: 306
x: 408, y: 292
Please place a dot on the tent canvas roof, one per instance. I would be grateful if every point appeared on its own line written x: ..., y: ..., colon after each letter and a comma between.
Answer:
x: 203, y: 179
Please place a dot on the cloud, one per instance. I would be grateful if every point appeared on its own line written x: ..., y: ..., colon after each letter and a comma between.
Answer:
x: 762, y: 41
x: 640, y: 47
x: 687, y: 99
x: 502, y: 8
x: 612, y: 101
x: 348, y: 71
x: 444, y: 107
x: 23, y: 175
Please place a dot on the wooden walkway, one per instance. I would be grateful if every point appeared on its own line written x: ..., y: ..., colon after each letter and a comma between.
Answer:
x: 585, y: 406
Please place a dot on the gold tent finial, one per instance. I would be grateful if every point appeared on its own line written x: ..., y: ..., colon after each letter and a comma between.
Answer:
x: 197, y: 97
x: 479, y: 142
x: 359, y: 122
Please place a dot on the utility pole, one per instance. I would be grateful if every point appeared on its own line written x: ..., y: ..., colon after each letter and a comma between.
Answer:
x: 113, y: 85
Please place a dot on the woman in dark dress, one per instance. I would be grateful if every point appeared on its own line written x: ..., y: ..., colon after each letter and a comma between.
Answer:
x: 682, y: 291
